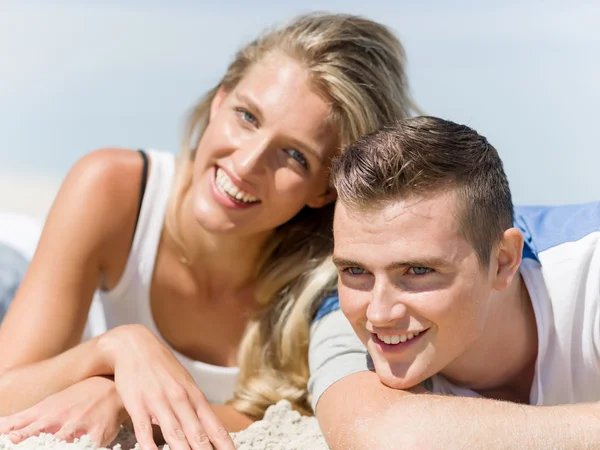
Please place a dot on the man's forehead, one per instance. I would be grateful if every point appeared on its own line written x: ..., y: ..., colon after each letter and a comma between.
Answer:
x: 436, y: 207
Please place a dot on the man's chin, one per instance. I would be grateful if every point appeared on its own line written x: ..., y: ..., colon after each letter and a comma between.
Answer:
x: 393, y: 380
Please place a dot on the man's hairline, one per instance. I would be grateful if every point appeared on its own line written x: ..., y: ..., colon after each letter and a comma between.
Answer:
x: 377, y: 204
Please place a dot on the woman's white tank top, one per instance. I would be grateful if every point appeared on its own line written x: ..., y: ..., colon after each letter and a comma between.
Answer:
x: 129, y: 301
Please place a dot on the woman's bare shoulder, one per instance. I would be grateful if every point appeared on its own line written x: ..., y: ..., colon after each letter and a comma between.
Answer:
x: 103, y: 191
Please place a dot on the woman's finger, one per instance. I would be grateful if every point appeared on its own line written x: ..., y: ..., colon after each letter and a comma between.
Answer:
x: 196, y: 436
x: 143, y: 432
x: 171, y: 429
x: 98, y: 437
x: 34, y: 429
x: 214, y: 428
x: 15, y: 422
x: 69, y: 432
x: 142, y: 425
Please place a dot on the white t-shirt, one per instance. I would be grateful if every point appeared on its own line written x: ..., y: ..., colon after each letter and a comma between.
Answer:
x: 561, y: 269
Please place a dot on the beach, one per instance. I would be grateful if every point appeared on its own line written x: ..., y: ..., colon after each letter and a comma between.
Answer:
x: 27, y: 194
x: 281, y: 429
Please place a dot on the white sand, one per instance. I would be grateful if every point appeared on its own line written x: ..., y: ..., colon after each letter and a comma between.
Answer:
x: 281, y: 429
x: 27, y: 194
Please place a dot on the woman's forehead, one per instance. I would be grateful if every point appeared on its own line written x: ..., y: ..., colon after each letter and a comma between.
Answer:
x: 280, y: 92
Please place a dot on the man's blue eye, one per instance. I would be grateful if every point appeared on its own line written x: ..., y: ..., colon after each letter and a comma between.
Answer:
x: 420, y: 270
x: 355, y: 270
x: 298, y: 156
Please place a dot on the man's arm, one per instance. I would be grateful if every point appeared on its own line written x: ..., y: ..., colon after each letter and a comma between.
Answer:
x: 358, y: 412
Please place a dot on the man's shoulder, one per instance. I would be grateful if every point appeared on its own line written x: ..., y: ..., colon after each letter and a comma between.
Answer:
x: 547, y: 227
x: 330, y: 303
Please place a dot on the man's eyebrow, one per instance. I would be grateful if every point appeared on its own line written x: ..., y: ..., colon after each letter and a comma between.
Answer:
x: 427, y: 262
x: 340, y: 262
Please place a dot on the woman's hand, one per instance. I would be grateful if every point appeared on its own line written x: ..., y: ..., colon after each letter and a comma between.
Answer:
x: 157, y: 390
x: 89, y: 407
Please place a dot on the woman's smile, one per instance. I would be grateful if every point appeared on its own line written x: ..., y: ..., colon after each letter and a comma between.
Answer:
x: 230, y: 194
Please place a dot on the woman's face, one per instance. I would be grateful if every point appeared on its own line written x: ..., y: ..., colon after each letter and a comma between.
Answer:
x: 265, y: 153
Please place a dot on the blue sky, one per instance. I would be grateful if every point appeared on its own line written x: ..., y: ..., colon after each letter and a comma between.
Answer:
x: 75, y: 76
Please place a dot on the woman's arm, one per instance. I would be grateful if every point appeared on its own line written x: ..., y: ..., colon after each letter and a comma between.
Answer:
x: 24, y: 386
x: 91, y: 406
x: 86, y: 242
x: 87, y: 235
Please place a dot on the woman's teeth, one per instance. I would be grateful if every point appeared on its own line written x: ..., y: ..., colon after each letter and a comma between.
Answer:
x: 226, y: 186
x: 397, y: 338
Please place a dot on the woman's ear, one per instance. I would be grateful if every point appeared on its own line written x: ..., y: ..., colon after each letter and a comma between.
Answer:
x: 323, y: 199
x: 508, y: 254
x: 217, y: 101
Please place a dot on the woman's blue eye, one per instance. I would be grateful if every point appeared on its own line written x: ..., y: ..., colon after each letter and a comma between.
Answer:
x: 298, y: 156
x: 246, y: 116
x: 355, y: 270
x: 420, y: 270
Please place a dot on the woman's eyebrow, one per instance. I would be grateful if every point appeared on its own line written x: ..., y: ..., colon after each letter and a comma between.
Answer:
x: 260, y: 117
x: 305, y: 147
x: 251, y: 104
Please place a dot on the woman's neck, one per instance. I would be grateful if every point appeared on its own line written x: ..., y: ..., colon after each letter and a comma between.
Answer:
x: 224, y: 261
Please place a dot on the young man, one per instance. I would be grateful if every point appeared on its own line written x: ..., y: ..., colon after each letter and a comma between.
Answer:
x: 453, y: 291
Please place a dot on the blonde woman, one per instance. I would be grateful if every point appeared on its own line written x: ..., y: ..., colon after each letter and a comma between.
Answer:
x: 202, y: 265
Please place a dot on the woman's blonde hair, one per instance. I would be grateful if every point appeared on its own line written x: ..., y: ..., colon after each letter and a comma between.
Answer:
x: 358, y: 65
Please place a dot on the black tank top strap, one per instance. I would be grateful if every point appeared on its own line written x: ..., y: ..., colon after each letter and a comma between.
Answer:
x: 142, y: 185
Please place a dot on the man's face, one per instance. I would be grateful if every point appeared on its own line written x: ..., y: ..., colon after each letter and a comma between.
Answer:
x: 411, y: 286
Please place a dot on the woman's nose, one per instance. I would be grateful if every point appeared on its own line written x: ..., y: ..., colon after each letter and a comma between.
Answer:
x: 251, y: 157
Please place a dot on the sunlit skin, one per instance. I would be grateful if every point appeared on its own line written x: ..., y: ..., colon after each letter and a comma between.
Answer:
x: 272, y: 135
x: 405, y: 268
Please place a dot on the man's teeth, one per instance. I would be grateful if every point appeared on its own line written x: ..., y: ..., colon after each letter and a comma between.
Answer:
x: 397, y: 338
x: 226, y: 186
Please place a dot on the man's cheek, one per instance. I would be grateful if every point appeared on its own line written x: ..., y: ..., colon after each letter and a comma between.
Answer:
x: 352, y: 309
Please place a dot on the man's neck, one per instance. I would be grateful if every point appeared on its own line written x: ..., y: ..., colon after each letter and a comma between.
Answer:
x: 501, y: 364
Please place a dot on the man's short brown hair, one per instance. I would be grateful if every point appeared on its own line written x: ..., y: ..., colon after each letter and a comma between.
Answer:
x: 428, y: 155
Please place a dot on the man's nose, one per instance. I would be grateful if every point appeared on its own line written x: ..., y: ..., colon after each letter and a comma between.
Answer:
x: 386, y: 305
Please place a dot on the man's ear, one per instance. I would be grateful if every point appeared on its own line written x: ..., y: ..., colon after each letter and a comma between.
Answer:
x: 508, y: 254
x: 216, y: 102
x: 323, y: 199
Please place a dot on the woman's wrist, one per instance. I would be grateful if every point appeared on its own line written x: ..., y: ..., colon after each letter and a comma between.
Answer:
x: 113, y: 344
x: 108, y: 381
x: 107, y: 347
